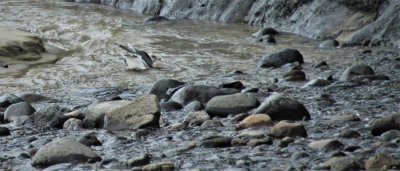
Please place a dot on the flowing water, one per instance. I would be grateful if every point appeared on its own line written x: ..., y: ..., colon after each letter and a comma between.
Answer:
x: 193, y: 51
x: 189, y: 50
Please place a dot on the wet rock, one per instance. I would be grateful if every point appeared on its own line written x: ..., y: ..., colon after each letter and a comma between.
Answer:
x: 356, y: 70
x: 386, y: 123
x: 344, y: 118
x: 318, y: 82
x: 340, y: 164
x: 63, y: 150
x: 4, y: 131
x: 37, y: 98
x: 161, y: 166
x: 139, y: 161
x: 90, y: 140
x: 349, y: 134
x: 351, y: 148
x: 390, y: 135
x: 252, y: 134
x: 94, y: 115
x: 18, y: 109
x: 9, y: 99
x: 51, y: 116
x: 321, y: 64
x: 268, y: 39
x: 194, y: 106
x: 255, y: 120
x: 262, y: 141
x: 281, y: 58
x: 236, y: 85
x: 361, y: 78
x: 279, y: 107
x: 170, y: 106
x: 212, y: 124
x: 215, y: 142
x: 265, y: 31
x: 197, y: 118
x: 231, y: 104
x: 20, y: 45
x: 286, y: 141
x: 73, y: 124
x: 140, y: 113
x: 199, y: 93
x: 287, y: 129
x: 326, y: 145
x: 295, y: 75
x: 329, y: 43
x: 155, y: 18
x: 161, y: 87
x: 239, y: 117
x: 381, y: 162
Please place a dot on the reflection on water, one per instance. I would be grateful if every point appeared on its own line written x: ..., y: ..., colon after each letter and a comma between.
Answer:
x: 189, y: 50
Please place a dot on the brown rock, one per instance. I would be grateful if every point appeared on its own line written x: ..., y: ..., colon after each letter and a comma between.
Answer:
x: 255, y: 121
x: 381, y: 162
x: 287, y: 129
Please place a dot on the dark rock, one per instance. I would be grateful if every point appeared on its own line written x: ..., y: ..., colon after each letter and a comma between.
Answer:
x: 265, y: 31
x: 37, y: 98
x: 318, y: 82
x: 9, y: 99
x: 356, y: 70
x: 281, y: 58
x: 320, y: 64
x: 351, y: 148
x: 63, y: 150
x: 287, y: 129
x: 161, y: 87
x: 361, y: 78
x: 139, y: 161
x: 390, y: 135
x: 384, y: 124
x: 236, y: 85
x: 329, y: 43
x: 231, y: 104
x: 199, y: 93
x: 349, y: 134
x: 215, y: 142
x: 4, y: 131
x: 51, y: 116
x: 295, y: 75
x: 89, y: 140
x: 170, y: 106
x: 141, y: 113
x: 155, y: 19
x: 279, y: 107
x: 18, y: 109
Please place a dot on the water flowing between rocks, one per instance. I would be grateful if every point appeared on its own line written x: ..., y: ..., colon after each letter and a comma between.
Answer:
x: 196, y: 52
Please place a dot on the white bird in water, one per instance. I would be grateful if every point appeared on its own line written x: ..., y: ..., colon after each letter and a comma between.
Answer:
x: 136, y: 59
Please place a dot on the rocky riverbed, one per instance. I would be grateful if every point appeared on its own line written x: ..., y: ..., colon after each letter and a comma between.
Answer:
x: 221, y: 96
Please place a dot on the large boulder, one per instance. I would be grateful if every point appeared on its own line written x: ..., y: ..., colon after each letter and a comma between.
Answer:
x: 384, y: 124
x: 63, y: 150
x: 94, y: 115
x: 140, y: 113
x: 356, y: 70
x: 231, y: 104
x: 18, y: 109
x: 161, y: 87
x: 279, y: 107
x: 281, y: 58
x: 199, y: 93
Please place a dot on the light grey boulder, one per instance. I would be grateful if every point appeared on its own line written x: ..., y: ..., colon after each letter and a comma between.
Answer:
x: 231, y: 104
x: 199, y: 93
x: 94, y: 115
x: 65, y: 150
x: 141, y: 113
x: 18, y: 109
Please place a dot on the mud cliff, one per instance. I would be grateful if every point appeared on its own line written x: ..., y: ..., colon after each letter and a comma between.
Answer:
x: 348, y: 21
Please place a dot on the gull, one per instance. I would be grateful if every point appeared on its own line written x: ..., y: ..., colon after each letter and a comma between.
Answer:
x: 136, y: 59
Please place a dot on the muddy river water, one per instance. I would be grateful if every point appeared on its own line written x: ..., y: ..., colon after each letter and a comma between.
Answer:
x: 197, y: 52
